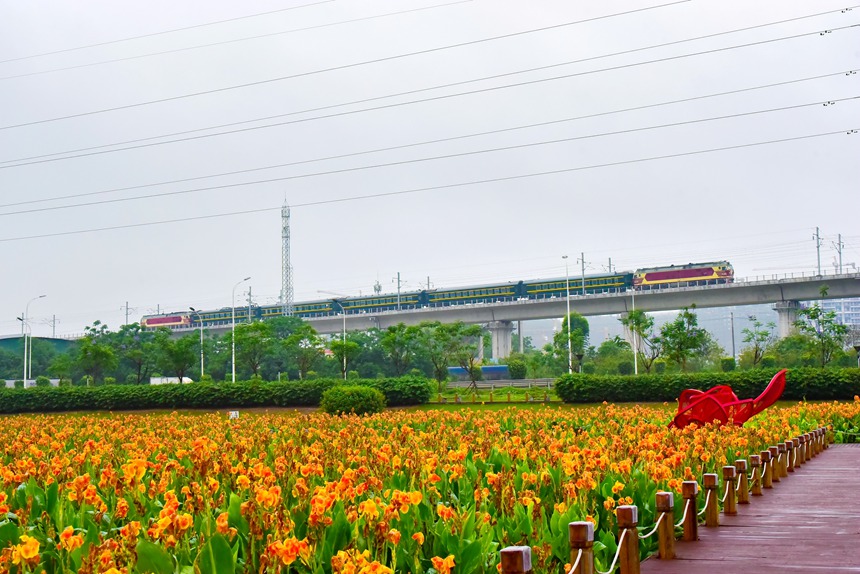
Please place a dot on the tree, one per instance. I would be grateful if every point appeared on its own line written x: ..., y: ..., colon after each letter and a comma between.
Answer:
x: 344, y: 351
x: 253, y: 343
x: 826, y: 334
x: 683, y: 338
x: 759, y: 337
x: 305, y: 346
x: 176, y: 356
x: 136, y: 348
x: 95, y: 355
x: 579, y: 332
x: 398, y: 344
x: 464, y: 343
x: 649, y: 345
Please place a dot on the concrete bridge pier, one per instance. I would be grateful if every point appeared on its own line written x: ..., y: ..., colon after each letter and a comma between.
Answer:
x: 501, y: 332
x: 786, y: 313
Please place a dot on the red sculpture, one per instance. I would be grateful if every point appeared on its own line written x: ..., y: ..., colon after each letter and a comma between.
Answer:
x: 720, y: 404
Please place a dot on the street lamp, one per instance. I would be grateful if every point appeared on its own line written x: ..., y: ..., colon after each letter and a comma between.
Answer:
x: 24, y: 322
x: 193, y: 310
x: 343, y: 331
x: 569, y: 341
x: 233, y: 315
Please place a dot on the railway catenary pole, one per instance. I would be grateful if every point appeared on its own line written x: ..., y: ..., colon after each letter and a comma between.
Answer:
x: 567, y: 318
x: 233, y: 326
x: 582, y: 259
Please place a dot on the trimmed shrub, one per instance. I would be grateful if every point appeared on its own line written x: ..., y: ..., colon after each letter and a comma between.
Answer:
x: 659, y: 366
x: 517, y: 368
x: 131, y: 379
x: 768, y: 362
x: 307, y: 393
x: 110, y: 381
x: 401, y: 391
x: 19, y: 384
x: 43, y: 381
x: 345, y: 399
x: 65, y: 382
x: 804, y: 383
x: 625, y: 368
x: 589, y: 368
x: 727, y: 364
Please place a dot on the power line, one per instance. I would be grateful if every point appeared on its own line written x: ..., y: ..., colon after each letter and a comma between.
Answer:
x: 432, y: 188
x: 23, y: 161
x: 150, y: 35
x: 234, y: 41
x: 342, y: 66
x: 420, y: 160
x: 426, y: 142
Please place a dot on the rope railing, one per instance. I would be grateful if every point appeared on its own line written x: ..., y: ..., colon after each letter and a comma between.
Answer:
x: 707, y: 502
x: 684, y: 516
x: 576, y: 562
x: 653, y: 530
x: 767, y: 467
x: 617, y: 554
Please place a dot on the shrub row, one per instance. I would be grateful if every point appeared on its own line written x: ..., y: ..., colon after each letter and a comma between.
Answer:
x: 345, y: 399
x: 403, y: 391
x: 803, y: 383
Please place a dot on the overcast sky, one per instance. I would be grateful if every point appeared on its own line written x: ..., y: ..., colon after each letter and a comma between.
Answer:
x: 755, y: 206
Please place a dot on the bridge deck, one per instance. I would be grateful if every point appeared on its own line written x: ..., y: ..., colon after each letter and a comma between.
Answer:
x: 807, y: 523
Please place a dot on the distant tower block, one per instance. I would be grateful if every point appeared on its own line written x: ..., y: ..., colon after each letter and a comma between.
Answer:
x: 286, y: 266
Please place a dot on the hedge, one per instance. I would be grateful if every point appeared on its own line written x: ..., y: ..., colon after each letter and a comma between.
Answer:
x: 308, y: 393
x: 803, y: 383
x: 345, y: 399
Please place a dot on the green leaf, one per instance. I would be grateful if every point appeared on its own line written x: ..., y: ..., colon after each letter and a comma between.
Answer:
x: 152, y: 558
x: 8, y: 535
x: 216, y: 557
x: 51, y: 505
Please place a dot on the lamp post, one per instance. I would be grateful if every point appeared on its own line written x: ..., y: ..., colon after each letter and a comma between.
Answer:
x: 567, y: 318
x: 193, y: 310
x: 24, y: 324
x: 24, y: 321
x: 233, y: 330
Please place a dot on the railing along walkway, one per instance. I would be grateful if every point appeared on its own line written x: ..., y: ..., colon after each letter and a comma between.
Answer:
x: 807, y: 524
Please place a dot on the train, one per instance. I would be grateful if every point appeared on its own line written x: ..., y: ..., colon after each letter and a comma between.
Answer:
x: 713, y: 273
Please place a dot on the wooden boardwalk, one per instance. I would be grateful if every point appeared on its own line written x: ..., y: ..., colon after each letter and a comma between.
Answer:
x: 809, y: 522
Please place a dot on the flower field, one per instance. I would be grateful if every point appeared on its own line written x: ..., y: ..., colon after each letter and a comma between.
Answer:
x: 425, y: 491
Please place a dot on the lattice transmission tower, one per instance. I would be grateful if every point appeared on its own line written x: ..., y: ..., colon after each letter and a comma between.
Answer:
x: 286, y: 266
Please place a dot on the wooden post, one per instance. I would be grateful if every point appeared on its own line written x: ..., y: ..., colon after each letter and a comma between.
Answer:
x: 690, y: 493
x: 581, y: 537
x: 796, y: 443
x: 767, y: 470
x: 628, y: 519
x: 712, y: 504
x: 774, y: 463
x: 789, y: 452
x: 743, y: 481
x: 825, y: 438
x: 801, y: 453
x: 730, y: 506
x: 783, y: 465
x: 666, y: 530
x: 810, y: 441
x: 517, y: 560
x: 755, y: 463
x: 818, y: 448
